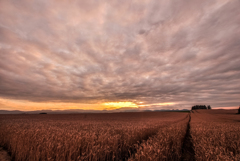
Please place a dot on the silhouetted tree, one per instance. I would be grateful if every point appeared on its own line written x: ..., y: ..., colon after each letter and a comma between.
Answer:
x: 209, y: 107
x: 199, y: 107
x: 239, y: 110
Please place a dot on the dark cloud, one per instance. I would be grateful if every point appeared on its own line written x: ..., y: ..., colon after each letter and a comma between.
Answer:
x: 151, y: 51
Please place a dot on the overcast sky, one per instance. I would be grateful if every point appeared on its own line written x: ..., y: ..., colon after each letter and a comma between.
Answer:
x: 148, y: 52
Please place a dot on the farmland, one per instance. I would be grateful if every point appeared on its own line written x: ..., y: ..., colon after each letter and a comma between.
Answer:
x: 82, y: 137
x: 214, y: 134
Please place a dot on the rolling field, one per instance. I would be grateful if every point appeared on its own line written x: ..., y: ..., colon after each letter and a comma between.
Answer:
x: 199, y: 135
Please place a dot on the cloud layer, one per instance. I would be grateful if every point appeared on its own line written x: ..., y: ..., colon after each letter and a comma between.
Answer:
x: 95, y: 51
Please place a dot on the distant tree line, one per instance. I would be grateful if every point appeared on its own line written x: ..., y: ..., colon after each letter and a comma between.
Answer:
x: 201, y: 107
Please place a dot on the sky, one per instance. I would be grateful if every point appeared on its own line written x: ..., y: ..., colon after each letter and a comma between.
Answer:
x: 113, y: 54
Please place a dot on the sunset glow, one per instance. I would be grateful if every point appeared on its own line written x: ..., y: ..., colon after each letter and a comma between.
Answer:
x: 8, y: 104
x: 120, y: 104
x: 160, y: 104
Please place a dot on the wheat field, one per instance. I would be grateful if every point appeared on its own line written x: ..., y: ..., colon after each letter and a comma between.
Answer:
x: 81, y: 137
x: 144, y: 136
x: 216, y: 134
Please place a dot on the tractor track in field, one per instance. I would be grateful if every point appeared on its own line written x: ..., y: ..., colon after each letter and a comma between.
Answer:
x: 188, y: 153
x: 132, y: 150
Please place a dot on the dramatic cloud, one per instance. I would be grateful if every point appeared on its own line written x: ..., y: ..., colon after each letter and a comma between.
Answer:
x: 178, y: 52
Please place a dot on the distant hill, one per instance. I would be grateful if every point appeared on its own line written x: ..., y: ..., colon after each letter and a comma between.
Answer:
x: 11, y: 112
x: 72, y: 111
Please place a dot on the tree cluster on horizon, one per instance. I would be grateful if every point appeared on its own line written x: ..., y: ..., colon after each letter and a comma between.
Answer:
x: 201, y: 107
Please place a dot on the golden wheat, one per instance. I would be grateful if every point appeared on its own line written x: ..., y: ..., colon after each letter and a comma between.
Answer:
x: 166, y: 145
x: 216, y: 135
x: 81, y: 137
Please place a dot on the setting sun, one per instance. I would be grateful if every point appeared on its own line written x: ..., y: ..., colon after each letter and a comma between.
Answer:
x: 117, y: 105
x: 160, y: 104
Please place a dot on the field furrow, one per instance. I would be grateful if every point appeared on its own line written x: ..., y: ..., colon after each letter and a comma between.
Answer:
x: 188, y: 153
x: 165, y: 145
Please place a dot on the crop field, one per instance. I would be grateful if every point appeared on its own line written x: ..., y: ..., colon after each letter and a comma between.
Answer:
x: 216, y: 134
x: 85, y: 136
x: 202, y: 134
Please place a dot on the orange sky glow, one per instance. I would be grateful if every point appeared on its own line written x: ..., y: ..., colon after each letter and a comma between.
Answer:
x: 10, y: 104
x: 22, y: 105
